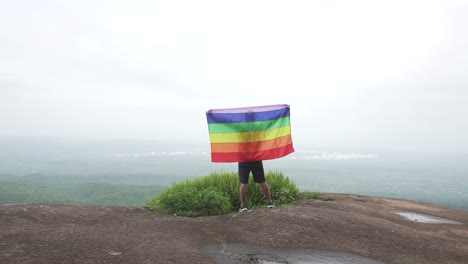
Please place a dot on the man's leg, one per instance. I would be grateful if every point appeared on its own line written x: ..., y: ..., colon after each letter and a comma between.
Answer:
x: 243, y: 195
x: 259, y: 177
x: 244, y: 172
x: 266, y: 191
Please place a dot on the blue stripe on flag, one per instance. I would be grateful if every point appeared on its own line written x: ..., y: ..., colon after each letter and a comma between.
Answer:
x: 247, y: 116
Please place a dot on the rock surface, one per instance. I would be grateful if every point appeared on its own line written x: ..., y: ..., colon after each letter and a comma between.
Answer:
x: 352, y: 226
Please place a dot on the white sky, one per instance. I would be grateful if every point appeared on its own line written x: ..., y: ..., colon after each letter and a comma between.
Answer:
x: 357, y: 74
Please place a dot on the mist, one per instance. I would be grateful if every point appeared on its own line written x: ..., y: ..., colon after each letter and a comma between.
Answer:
x: 357, y: 75
x: 116, y: 92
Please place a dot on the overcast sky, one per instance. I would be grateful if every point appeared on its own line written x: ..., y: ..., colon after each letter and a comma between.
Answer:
x: 357, y: 74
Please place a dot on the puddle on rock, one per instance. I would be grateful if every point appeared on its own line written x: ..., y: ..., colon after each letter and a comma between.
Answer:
x: 425, y: 218
x: 240, y: 253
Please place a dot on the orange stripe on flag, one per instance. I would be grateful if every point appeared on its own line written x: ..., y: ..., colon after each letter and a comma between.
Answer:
x: 252, y: 146
x: 252, y: 156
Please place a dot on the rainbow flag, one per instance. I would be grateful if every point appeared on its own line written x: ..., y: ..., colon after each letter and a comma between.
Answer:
x: 250, y: 133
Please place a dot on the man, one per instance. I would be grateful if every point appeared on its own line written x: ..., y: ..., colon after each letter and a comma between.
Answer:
x: 256, y: 167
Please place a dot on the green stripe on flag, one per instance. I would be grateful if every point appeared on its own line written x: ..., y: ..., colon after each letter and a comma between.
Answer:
x: 248, y: 126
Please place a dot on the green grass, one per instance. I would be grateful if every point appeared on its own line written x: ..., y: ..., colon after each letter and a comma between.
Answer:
x: 309, y: 195
x: 218, y: 193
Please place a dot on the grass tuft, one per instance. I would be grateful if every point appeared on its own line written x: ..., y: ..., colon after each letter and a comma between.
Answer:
x: 218, y: 193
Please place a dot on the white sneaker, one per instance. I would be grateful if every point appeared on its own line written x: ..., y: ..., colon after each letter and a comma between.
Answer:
x: 243, y: 209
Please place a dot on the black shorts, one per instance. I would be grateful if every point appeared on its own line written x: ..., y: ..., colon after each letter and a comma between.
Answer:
x: 256, y: 167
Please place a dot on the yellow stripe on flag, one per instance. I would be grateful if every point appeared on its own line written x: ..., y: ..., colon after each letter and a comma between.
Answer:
x: 250, y: 136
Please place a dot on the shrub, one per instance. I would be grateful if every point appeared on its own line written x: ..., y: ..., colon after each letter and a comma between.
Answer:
x: 218, y: 193
x: 192, y: 202
x: 283, y: 190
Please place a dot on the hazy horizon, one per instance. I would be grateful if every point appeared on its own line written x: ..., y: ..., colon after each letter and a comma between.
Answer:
x: 117, y: 90
x: 360, y: 74
x: 436, y: 178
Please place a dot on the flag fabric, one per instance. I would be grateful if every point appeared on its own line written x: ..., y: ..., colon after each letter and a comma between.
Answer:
x: 250, y: 133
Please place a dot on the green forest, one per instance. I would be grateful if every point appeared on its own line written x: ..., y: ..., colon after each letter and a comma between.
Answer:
x: 73, y: 190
